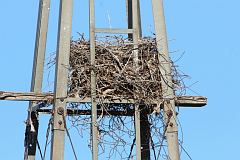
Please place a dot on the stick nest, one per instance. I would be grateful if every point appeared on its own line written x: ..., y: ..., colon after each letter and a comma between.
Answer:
x: 117, y: 76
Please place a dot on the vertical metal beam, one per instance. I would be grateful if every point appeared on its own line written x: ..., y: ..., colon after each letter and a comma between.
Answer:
x: 93, y: 81
x: 136, y: 36
x: 139, y: 19
x: 136, y: 31
x: 137, y: 132
x: 129, y: 17
x: 61, y: 78
x: 37, y: 78
x: 165, y: 68
x: 129, y: 9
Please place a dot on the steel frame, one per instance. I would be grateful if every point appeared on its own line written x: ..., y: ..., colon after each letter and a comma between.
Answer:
x: 60, y: 97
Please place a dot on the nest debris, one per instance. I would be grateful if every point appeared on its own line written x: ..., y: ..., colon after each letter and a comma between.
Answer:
x: 116, y: 76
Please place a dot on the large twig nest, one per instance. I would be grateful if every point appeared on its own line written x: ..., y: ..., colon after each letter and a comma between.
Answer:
x: 116, y: 76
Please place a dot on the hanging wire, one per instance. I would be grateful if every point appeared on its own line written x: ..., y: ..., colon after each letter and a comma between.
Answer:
x: 131, y: 148
x: 69, y: 137
x: 185, y: 151
x: 47, y: 135
x: 164, y: 132
x: 39, y: 149
x: 153, y: 148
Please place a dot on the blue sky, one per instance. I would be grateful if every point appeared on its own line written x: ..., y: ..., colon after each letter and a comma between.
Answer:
x: 206, y: 31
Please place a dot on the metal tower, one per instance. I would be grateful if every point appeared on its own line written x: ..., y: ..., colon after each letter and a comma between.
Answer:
x: 60, y: 97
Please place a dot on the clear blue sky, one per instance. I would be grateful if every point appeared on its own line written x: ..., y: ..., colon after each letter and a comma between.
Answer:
x: 207, y: 31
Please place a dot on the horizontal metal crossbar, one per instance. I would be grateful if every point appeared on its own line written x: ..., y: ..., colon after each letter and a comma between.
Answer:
x: 76, y: 112
x: 114, y: 31
x: 183, y: 101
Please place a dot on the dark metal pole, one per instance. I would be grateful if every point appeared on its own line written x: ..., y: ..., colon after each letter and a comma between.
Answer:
x: 31, y: 134
x: 61, y: 79
x: 37, y: 78
x: 130, y: 18
x: 145, y: 133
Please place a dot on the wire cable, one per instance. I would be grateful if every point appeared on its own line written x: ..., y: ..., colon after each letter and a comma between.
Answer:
x: 47, y: 135
x: 69, y: 137
x: 40, y: 151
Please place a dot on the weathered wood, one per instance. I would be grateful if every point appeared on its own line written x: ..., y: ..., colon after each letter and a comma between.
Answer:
x: 183, y: 101
x: 190, y: 101
x: 25, y: 96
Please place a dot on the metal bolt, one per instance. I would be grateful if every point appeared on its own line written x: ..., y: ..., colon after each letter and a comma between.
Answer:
x: 169, y: 113
x: 62, y: 99
x: 60, y: 110
x: 60, y: 122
